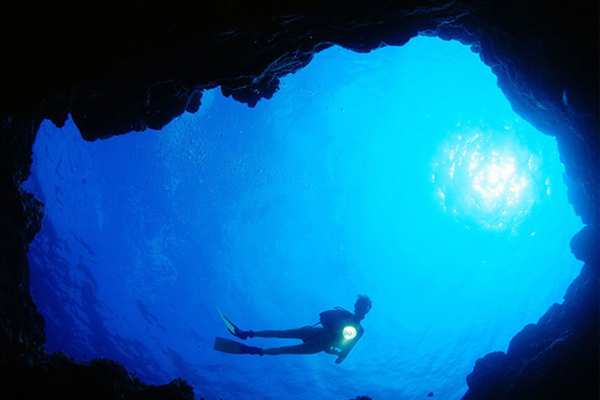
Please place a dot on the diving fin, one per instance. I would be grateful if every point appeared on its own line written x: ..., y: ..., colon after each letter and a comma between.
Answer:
x: 235, y: 331
x: 233, y: 347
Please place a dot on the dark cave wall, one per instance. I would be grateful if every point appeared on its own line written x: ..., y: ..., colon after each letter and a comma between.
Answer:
x: 21, y: 326
x: 118, y: 69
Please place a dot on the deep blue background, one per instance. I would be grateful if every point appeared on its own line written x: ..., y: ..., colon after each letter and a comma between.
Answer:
x: 402, y: 174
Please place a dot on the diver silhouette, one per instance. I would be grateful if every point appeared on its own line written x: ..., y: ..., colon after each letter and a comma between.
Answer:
x: 339, y: 331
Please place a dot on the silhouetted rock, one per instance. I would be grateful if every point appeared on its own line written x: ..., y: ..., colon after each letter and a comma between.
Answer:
x: 100, y: 379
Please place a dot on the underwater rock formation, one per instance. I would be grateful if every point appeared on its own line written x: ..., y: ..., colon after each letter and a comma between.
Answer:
x: 115, y: 72
x: 557, y: 357
x: 99, y: 379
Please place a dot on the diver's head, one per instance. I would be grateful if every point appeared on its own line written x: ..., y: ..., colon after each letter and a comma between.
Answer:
x: 362, y: 306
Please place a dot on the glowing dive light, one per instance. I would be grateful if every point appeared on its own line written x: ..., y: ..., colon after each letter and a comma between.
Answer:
x: 349, y: 332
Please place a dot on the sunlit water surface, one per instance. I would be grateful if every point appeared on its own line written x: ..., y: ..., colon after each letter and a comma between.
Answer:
x: 402, y: 174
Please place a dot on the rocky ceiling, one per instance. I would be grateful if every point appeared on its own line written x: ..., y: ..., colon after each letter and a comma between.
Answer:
x: 118, y: 68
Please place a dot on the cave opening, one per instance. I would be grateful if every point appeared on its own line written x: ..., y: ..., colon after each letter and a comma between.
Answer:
x: 402, y: 174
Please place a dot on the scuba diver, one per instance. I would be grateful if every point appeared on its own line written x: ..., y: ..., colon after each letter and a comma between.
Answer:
x: 337, y: 335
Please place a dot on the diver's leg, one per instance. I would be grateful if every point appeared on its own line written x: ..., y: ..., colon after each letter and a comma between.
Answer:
x: 300, y: 333
x: 304, y: 348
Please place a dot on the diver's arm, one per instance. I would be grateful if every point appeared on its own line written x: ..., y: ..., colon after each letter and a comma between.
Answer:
x: 333, y: 351
x: 347, y: 347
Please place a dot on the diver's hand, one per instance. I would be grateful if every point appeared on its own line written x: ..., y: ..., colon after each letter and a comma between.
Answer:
x: 339, y: 360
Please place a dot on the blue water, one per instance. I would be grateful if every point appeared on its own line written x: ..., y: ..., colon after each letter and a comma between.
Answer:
x: 402, y: 174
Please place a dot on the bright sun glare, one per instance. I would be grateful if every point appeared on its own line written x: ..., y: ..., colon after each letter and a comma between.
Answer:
x: 484, y: 177
x: 495, y: 178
